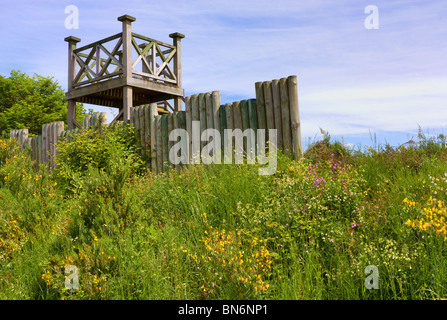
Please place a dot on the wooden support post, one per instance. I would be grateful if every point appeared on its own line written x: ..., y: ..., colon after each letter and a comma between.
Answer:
x: 245, y: 122
x: 153, y: 113
x: 71, y: 105
x: 127, y: 46
x: 93, y: 120
x: 209, y: 116
x: 39, y: 151
x: 260, y: 107
x: 102, y: 120
x: 127, y: 103
x: 159, y: 145
x: 132, y: 116
x: 136, y: 124
x: 215, y: 97
x: 203, y: 124
x: 44, y: 143
x: 174, y: 126
x: 147, y: 129
x: 285, y: 114
x: 188, y: 119
x: 164, y: 141
x: 71, y: 117
x: 244, y: 115
x: 295, y: 124
x: 195, y: 139
x: 33, y: 148
x: 229, y: 115
x: 222, y: 126
x: 142, y: 129
x: 171, y: 126
x: 50, y: 139
x: 23, y: 137
x: 237, y: 123
x: 237, y: 116
x: 253, y: 118
x: 215, y: 102
x: 127, y: 64
x: 85, y: 121
x: 260, y: 112
x: 181, y: 124
x: 58, y: 129
x: 269, y: 115
x: 177, y: 37
x: 277, y: 113
x: 209, y: 111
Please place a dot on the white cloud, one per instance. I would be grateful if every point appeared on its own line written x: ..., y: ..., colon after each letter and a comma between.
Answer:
x: 350, y: 79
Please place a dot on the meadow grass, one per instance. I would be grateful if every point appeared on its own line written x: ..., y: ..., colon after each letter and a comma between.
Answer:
x: 225, y: 232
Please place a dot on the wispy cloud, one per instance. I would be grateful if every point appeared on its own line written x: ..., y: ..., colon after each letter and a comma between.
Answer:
x: 351, y: 80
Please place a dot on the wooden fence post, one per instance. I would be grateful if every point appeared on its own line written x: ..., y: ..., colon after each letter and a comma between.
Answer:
x: 188, y: 119
x: 295, y: 117
x: 142, y: 129
x: 269, y: 115
x: 223, y: 126
x: 253, y: 118
x: 277, y: 112
x: 171, y: 127
x: 164, y: 141
x: 203, y: 124
x: 285, y: 115
x: 181, y: 124
x: 153, y: 114
x: 159, y: 144
x: 147, y: 131
x: 260, y: 109
x: 195, y: 139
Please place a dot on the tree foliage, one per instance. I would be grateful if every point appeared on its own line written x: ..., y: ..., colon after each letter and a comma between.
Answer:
x: 29, y: 102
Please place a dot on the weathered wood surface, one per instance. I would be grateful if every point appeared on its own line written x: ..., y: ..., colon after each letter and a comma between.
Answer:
x: 295, y: 124
x: 277, y: 112
x: 159, y: 146
x: 285, y: 116
x: 164, y: 141
x: 275, y: 107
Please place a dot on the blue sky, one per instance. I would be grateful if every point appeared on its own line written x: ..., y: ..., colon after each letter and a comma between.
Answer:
x: 353, y: 82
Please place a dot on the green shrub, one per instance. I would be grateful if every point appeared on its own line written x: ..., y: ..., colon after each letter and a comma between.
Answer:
x: 95, y: 148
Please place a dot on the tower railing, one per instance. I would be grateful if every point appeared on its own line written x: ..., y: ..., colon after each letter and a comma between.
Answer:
x: 124, y: 70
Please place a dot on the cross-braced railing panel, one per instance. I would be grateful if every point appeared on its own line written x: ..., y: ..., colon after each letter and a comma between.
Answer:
x: 98, y: 61
x: 155, y: 58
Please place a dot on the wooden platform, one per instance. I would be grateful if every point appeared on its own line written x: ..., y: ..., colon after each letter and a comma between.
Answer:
x: 123, y: 71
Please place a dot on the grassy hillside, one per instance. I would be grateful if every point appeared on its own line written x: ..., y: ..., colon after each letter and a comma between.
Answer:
x: 224, y: 232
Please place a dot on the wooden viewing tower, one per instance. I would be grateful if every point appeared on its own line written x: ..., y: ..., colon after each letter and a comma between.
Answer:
x: 123, y: 71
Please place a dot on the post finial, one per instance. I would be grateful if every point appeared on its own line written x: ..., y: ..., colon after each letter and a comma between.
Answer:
x: 72, y: 39
x: 126, y: 17
x: 177, y: 35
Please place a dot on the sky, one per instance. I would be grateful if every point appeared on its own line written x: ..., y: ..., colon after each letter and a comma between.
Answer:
x: 363, y: 86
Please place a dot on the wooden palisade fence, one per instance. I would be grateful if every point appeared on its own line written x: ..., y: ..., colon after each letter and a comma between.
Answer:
x: 275, y: 107
x: 44, y: 146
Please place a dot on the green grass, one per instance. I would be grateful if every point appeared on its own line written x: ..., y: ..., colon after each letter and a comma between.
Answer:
x: 225, y: 232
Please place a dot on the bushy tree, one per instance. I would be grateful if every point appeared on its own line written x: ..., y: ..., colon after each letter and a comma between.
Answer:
x: 29, y: 102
